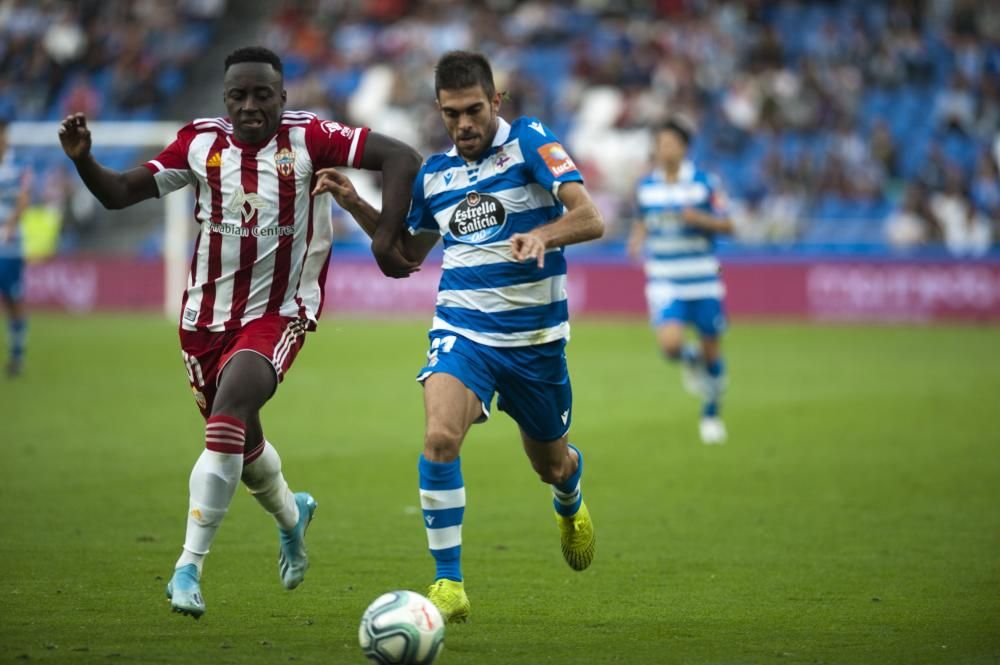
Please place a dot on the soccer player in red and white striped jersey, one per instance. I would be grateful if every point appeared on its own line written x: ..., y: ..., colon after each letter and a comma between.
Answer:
x: 256, y: 280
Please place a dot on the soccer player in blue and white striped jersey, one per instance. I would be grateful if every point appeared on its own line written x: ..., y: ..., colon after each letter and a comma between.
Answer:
x: 506, y: 199
x: 15, y: 195
x: 681, y: 211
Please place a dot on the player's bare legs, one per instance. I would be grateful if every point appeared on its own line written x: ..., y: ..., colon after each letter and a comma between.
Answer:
x: 712, y: 429
x: 670, y: 337
x: 450, y: 410
x: 560, y: 464
x: 246, y: 383
x: 16, y: 331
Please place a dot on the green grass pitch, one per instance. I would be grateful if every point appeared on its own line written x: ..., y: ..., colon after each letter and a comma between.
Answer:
x: 853, y: 517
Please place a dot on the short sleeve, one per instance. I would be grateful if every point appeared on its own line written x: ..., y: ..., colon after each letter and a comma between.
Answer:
x: 171, y: 169
x: 332, y: 144
x: 420, y: 219
x: 545, y: 156
x: 641, y: 202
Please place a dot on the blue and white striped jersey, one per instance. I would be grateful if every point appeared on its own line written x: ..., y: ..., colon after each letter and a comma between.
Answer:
x: 680, y: 263
x: 484, y: 294
x: 11, y: 177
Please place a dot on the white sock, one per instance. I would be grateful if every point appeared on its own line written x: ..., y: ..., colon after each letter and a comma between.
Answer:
x: 267, y: 484
x: 213, y: 483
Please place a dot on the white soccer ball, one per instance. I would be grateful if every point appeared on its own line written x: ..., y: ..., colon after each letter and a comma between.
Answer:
x: 401, y: 628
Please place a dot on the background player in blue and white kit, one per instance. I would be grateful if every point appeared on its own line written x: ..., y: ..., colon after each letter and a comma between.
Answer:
x: 681, y: 211
x: 506, y: 199
x: 15, y: 195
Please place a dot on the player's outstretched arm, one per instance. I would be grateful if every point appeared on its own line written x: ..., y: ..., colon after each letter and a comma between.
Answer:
x: 332, y: 181
x: 399, y: 164
x: 581, y: 222
x: 114, y: 189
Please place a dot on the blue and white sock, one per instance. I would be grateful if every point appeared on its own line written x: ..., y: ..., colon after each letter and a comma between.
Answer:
x: 714, y: 385
x: 18, y: 335
x: 689, y: 354
x: 442, y: 498
x: 567, y: 496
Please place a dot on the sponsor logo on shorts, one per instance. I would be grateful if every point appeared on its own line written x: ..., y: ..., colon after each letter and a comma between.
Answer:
x: 199, y: 398
x: 478, y: 218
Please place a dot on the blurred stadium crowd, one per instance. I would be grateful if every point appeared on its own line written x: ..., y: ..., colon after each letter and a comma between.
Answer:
x: 848, y: 126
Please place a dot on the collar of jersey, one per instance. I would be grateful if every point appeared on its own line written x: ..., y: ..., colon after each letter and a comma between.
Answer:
x: 684, y: 174
x: 503, y: 133
x: 252, y: 147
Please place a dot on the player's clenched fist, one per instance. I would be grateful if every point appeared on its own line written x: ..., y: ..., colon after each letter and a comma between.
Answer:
x: 75, y: 136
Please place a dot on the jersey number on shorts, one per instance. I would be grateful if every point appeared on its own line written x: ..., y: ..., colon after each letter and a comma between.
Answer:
x: 442, y: 345
x: 193, y: 370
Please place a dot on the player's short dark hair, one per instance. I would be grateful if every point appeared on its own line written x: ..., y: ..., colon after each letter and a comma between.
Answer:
x: 679, y: 127
x: 463, y: 69
x: 255, y: 54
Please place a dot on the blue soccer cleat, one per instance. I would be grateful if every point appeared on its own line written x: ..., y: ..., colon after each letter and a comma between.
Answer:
x: 184, y: 592
x: 292, y: 558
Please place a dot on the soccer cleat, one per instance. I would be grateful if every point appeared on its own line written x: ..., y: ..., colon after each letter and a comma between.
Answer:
x: 13, y: 369
x: 293, y: 561
x: 712, y: 431
x: 184, y: 592
x: 577, y: 535
x: 449, y: 597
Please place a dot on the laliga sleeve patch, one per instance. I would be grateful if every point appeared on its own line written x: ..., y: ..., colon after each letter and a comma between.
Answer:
x: 556, y: 158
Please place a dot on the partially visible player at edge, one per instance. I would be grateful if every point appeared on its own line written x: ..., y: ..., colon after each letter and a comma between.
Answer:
x: 681, y: 211
x: 256, y: 280
x: 15, y: 195
x: 506, y: 199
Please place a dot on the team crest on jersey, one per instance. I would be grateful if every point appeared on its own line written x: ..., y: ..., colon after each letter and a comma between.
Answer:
x: 501, y: 159
x: 478, y: 218
x: 285, y: 161
x: 556, y: 158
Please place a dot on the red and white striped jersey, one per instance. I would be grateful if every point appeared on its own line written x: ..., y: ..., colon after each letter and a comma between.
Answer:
x: 265, y: 239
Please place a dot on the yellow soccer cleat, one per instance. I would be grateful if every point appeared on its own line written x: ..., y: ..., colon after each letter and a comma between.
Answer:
x: 449, y: 597
x: 577, y: 536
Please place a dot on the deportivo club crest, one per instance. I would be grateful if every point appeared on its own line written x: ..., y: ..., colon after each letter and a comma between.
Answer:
x: 285, y: 161
x: 477, y: 218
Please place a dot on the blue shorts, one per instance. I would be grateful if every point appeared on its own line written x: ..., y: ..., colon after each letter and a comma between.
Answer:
x: 12, y: 278
x: 532, y: 381
x: 705, y: 314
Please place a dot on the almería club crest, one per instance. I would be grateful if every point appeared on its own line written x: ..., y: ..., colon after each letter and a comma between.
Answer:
x: 285, y: 161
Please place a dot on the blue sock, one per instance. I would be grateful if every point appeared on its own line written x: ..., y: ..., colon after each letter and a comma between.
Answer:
x: 18, y: 331
x: 716, y: 379
x: 442, y: 497
x: 567, y: 496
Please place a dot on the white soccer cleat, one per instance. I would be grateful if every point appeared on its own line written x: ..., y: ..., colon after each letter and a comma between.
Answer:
x: 712, y: 430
